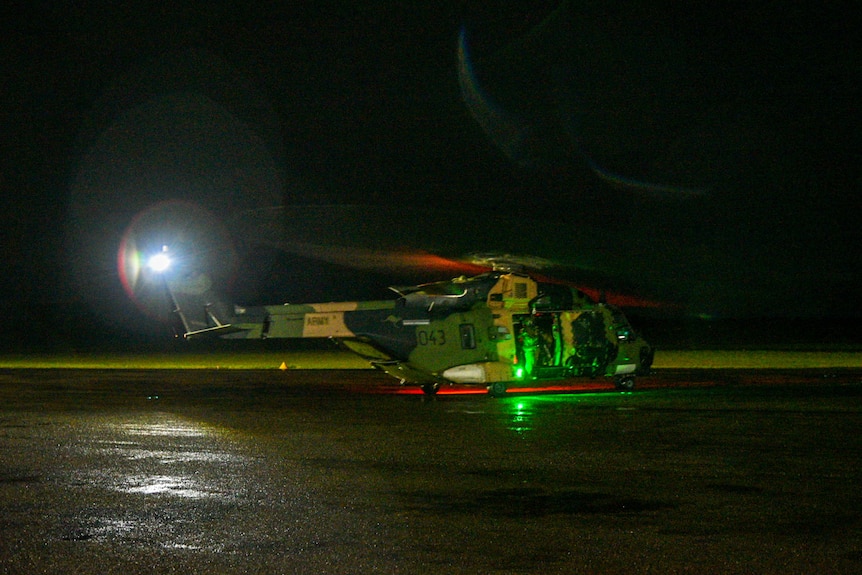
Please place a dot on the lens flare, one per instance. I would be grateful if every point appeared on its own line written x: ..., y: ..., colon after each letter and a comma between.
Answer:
x: 173, y: 237
x: 159, y: 262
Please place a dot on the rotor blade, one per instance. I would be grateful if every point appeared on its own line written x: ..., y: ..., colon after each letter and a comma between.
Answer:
x: 414, y: 240
x: 368, y: 259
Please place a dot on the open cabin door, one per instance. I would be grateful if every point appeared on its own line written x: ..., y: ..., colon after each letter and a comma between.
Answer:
x: 551, y: 345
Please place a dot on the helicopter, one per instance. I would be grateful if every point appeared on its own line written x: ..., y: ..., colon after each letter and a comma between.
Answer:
x: 498, y: 329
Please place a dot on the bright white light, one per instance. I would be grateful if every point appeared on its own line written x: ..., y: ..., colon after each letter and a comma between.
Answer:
x: 159, y: 262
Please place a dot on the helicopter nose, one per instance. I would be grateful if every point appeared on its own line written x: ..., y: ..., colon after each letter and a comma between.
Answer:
x: 646, y: 358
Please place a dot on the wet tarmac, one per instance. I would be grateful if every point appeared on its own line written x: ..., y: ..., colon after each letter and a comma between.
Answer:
x: 720, y: 471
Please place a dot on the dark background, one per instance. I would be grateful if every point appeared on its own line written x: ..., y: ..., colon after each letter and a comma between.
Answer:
x: 712, y: 152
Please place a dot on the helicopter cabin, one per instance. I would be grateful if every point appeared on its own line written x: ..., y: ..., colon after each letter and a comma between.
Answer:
x: 551, y: 331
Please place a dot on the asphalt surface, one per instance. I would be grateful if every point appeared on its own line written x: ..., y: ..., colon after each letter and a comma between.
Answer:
x: 720, y: 471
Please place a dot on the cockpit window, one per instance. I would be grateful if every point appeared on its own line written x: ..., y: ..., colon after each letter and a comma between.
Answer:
x: 553, y: 297
x: 622, y: 327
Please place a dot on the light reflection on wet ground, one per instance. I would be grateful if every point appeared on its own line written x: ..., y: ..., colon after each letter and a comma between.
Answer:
x: 155, y: 457
x: 152, y: 458
x: 300, y: 473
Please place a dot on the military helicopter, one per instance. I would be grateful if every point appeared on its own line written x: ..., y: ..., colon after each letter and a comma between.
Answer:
x: 499, y: 329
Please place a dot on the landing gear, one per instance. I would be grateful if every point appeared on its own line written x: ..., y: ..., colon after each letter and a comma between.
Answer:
x: 430, y: 388
x: 626, y: 383
x: 497, y: 389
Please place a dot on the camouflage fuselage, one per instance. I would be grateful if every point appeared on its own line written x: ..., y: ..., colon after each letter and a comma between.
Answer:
x: 496, y: 327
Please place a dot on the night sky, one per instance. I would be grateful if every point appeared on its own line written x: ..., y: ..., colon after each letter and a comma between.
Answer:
x: 706, y: 157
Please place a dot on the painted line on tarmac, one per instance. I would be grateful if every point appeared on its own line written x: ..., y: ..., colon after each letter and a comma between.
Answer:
x: 302, y: 360
x: 757, y: 359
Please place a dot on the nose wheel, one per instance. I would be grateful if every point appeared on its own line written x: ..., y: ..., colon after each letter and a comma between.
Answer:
x: 624, y: 383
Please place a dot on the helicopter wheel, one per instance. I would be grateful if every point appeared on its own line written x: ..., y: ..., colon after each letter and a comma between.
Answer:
x: 497, y: 389
x: 430, y: 388
x: 625, y: 383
